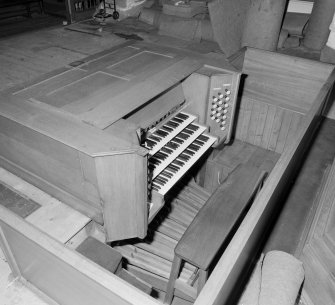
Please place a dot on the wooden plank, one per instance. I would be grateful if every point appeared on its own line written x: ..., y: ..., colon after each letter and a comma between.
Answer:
x: 246, y: 118
x: 122, y: 185
x: 276, y: 126
x: 294, y: 127
x: 291, y: 83
x: 283, y: 131
x: 216, y: 220
x: 65, y: 276
x: 261, y: 123
x: 159, y: 282
x: 104, y: 115
x: 268, y: 126
x: 253, y: 122
x: 239, y: 120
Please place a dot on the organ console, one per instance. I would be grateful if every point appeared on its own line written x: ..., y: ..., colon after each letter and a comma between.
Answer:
x: 116, y: 132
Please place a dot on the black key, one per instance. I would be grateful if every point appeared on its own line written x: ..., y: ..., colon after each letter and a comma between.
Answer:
x: 156, y: 188
x: 198, y: 142
x: 172, y: 124
x: 183, y: 157
x: 161, y: 179
x: 167, y: 129
x: 151, y: 166
x: 167, y: 150
x: 160, y: 156
x: 178, y: 162
x: 157, y: 139
x: 156, y: 181
x: 173, y: 168
x: 166, y: 174
x: 161, y: 133
x: 183, y: 135
x: 150, y: 143
x: 182, y: 116
x: 190, y: 132
x: 172, y: 145
x: 177, y: 120
x: 194, y: 147
x: 193, y: 127
x: 189, y: 152
x: 203, y: 138
x: 180, y: 141
x: 155, y: 161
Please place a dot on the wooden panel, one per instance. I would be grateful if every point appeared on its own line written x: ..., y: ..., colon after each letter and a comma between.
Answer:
x: 48, y: 84
x: 65, y: 276
x: 123, y: 188
x: 243, y: 246
x: 82, y: 89
x: 41, y: 153
x: 116, y: 106
x: 266, y: 125
x: 283, y: 80
x: 62, y: 127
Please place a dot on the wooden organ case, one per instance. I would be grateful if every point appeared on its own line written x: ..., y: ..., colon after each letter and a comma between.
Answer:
x: 112, y: 134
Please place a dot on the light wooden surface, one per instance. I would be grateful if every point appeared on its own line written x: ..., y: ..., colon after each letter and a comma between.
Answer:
x: 282, y: 80
x: 266, y: 125
x: 12, y: 291
x: 122, y: 181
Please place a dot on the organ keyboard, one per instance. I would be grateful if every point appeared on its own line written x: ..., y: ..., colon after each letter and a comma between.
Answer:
x: 174, y: 148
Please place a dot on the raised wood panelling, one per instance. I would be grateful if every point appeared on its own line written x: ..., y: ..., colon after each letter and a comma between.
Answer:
x: 265, y: 125
x: 281, y: 80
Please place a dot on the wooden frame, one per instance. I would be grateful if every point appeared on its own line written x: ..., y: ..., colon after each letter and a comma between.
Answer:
x: 32, y: 249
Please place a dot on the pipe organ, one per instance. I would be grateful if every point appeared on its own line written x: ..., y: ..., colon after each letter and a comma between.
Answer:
x: 113, y: 134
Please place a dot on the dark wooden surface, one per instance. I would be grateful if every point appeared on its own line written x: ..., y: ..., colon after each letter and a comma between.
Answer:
x: 16, y: 203
x: 215, y: 222
x: 100, y: 253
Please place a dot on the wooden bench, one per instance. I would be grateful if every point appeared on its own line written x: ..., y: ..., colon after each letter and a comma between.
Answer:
x: 215, y: 223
